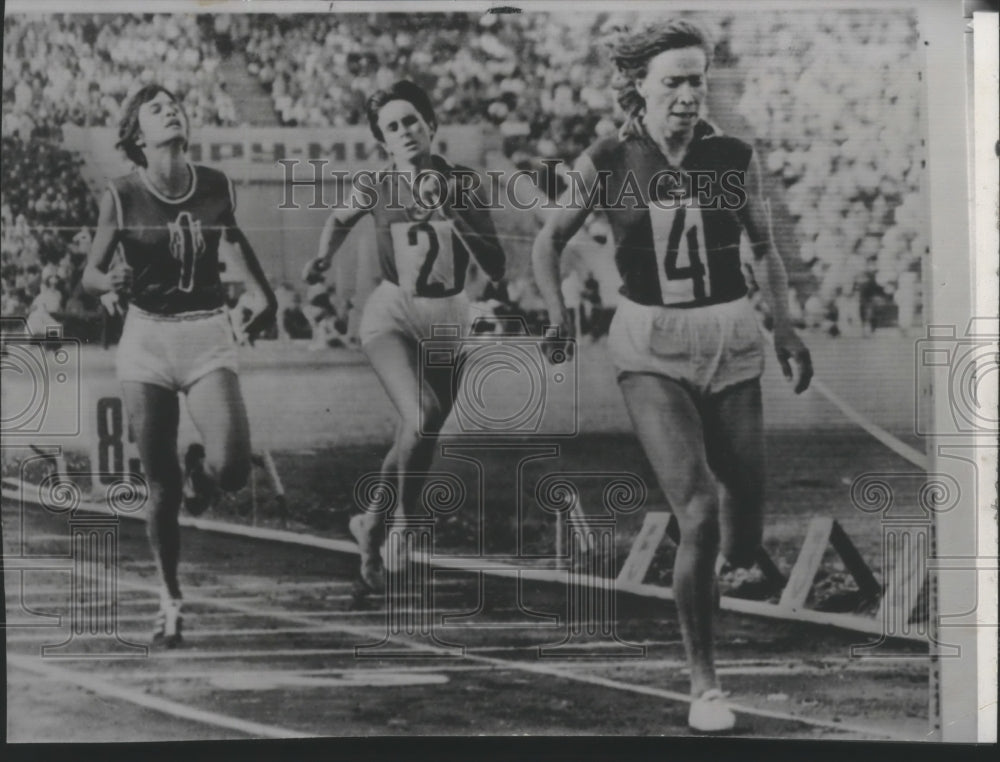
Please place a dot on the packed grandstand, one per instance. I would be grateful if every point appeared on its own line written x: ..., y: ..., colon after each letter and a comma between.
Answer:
x: 834, y: 110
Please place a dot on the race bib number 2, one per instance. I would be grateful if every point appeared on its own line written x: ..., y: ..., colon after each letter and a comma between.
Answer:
x: 425, y: 259
x: 679, y: 243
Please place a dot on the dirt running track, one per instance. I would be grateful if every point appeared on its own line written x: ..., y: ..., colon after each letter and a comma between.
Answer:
x: 271, y: 643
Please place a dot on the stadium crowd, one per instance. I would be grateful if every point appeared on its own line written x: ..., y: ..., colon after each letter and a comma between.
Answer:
x: 832, y: 99
x: 545, y: 79
x: 46, y: 211
x: 839, y: 123
x: 79, y: 68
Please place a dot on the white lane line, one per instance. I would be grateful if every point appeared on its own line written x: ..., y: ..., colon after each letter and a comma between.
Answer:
x: 181, y: 654
x: 37, y: 595
x: 250, y: 590
x: 271, y: 613
x: 745, y: 667
x: 561, y: 672
x: 318, y: 631
x: 104, y: 687
x: 265, y: 674
x: 141, y: 603
x: 280, y: 586
x: 28, y: 539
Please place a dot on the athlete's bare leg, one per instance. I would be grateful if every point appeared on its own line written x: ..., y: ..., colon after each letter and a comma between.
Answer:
x: 369, y: 520
x: 216, y: 405
x: 669, y: 428
x: 734, y: 439
x: 422, y: 410
x: 153, y: 413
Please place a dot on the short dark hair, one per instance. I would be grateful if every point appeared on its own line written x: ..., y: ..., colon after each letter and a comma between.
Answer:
x: 633, y: 51
x: 128, y: 125
x: 403, y: 90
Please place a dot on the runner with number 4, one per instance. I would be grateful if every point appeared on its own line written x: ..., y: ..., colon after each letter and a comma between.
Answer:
x: 685, y: 340
x: 424, y: 249
x: 169, y: 217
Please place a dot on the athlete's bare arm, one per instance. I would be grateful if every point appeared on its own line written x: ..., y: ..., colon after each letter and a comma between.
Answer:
x: 769, y: 272
x: 265, y: 315
x: 338, y: 226
x: 559, y: 227
x: 97, y: 279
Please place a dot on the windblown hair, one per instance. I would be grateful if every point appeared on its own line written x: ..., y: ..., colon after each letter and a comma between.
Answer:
x: 632, y: 52
x: 403, y: 90
x: 128, y: 125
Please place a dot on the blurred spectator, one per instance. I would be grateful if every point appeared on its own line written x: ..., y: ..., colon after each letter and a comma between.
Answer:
x: 327, y: 317
x: 292, y: 322
x: 50, y: 296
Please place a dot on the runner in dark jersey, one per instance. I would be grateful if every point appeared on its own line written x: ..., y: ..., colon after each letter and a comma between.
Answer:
x: 423, y: 251
x: 168, y: 217
x: 172, y: 245
x: 685, y: 340
x: 681, y: 245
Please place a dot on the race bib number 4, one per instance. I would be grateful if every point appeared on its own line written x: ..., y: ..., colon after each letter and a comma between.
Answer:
x: 679, y: 243
x: 425, y: 259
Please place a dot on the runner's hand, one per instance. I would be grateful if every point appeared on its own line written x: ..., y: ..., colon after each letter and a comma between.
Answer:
x: 790, y: 349
x: 260, y: 320
x: 314, y: 269
x: 120, y: 278
x: 560, y: 347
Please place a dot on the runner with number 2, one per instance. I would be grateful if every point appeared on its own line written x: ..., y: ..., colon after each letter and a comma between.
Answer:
x: 424, y: 249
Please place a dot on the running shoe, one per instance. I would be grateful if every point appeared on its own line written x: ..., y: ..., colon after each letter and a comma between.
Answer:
x: 362, y: 528
x: 396, y: 554
x: 711, y: 713
x: 168, y: 623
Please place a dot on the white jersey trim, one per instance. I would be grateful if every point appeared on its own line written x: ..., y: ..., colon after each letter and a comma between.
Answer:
x: 168, y: 199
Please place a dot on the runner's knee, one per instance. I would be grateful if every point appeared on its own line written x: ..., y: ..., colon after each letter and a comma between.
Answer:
x: 164, y: 506
x: 163, y: 486
x: 432, y: 414
x: 428, y: 420
x: 699, y: 522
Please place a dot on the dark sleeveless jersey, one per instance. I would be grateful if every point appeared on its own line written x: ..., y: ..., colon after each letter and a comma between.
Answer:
x: 676, y: 230
x: 428, y: 258
x: 172, y: 245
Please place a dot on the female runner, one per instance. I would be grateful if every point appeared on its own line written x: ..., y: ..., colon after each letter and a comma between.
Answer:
x: 685, y: 341
x: 169, y: 216
x: 424, y: 250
